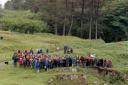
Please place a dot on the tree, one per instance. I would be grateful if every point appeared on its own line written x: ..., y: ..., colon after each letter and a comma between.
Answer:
x: 14, y: 4
x: 8, y: 5
x: 116, y: 21
x: 89, y: 19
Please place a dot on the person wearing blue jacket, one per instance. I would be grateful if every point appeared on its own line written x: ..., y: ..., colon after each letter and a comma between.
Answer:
x: 74, y: 61
x: 46, y: 63
x: 37, y: 65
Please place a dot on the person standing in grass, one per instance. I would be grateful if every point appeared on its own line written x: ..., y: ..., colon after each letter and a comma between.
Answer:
x: 46, y: 63
x: 47, y: 51
x: 109, y: 63
x: 70, y: 61
x: 15, y: 59
x: 31, y: 51
x: 36, y: 65
x: 20, y: 61
x: 74, y: 61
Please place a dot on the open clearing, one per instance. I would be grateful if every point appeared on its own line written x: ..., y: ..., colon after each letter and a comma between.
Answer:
x: 9, y: 75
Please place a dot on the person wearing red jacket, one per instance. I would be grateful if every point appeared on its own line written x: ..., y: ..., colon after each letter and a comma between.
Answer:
x: 20, y: 61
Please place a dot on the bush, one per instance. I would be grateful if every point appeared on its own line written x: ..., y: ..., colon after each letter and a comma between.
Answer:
x: 23, y: 25
x: 116, y: 21
x: 21, y: 21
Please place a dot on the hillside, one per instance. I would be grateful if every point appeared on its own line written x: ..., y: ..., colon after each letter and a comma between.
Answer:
x: 21, y: 21
x: 13, y: 41
x: 100, y: 27
x: 118, y: 52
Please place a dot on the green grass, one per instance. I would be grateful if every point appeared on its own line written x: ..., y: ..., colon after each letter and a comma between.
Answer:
x: 19, y: 76
x: 17, y: 14
x: 9, y: 75
x: 15, y: 41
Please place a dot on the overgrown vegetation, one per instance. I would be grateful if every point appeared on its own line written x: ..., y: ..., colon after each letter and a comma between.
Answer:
x: 105, y: 19
x: 116, y: 20
x: 21, y: 21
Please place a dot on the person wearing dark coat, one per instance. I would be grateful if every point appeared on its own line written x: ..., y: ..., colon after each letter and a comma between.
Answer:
x: 47, y: 51
x: 100, y: 62
x: 54, y: 63
x: 64, y: 62
x: 61, y: 62
x: 67, y: 62
x: 15, y: 59
x: 65, y: 49
x: 70, y: 61
x: 71, y: 50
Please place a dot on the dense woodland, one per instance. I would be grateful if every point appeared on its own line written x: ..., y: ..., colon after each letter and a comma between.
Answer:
x: 88, y: 19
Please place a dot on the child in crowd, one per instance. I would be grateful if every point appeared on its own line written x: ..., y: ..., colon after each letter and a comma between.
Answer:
x: 39, y: 61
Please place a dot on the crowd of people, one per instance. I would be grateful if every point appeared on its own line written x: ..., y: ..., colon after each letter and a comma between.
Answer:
x: 39, y: 60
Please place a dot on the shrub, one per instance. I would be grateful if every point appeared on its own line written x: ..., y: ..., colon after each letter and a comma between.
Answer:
x: 23, y: 25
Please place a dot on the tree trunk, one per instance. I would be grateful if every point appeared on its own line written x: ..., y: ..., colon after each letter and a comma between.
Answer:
x: 56, y: 33
x: 69, y: 32
x: 64, y: 26
x: 81, y: 27
x: 72, y: 10
x: 82, y: 14
x: 96, y: 34
x: 90, y: 29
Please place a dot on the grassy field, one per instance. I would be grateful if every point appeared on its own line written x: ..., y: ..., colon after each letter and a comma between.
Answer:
x: 118, y: 52
x: 9, y: 75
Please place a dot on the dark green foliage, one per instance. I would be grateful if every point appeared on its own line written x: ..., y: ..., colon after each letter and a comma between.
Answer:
x: 14, y: 4
x: 112, y: 19
x: 116, y: 22
x: 112, y: 80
